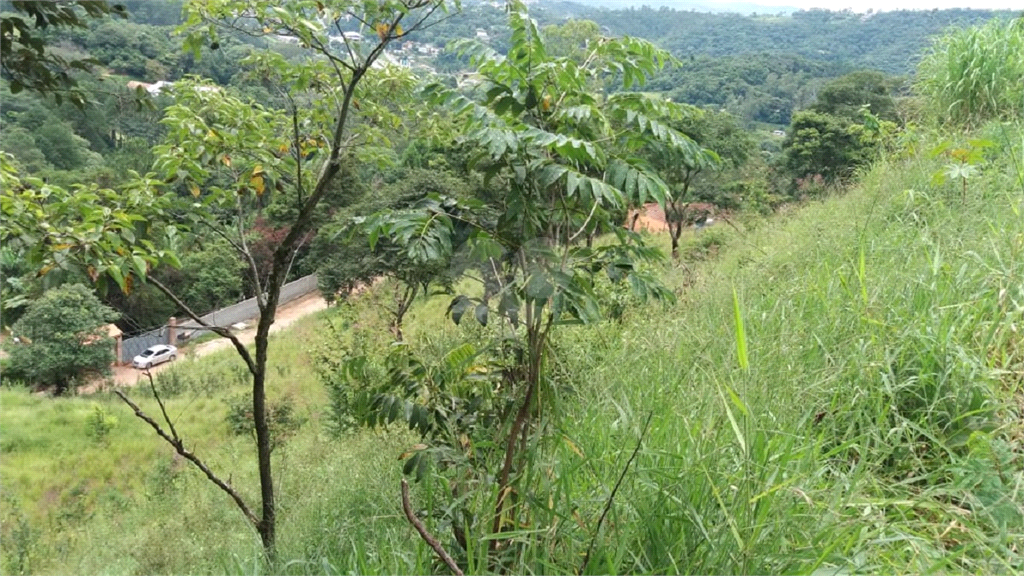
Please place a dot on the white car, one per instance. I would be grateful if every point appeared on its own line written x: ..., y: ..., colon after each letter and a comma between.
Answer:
x: 155, y: 355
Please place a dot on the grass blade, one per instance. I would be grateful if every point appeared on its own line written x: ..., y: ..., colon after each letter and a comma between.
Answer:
x: 741, y: 335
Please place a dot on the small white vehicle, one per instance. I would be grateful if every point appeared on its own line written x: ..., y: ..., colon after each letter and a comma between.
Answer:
x: 155, y: 355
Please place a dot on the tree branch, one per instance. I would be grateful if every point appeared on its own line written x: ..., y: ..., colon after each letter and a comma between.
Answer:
x: 298, y: 148
x: 261, y: 301
x: 179, y: 447
x: 585, y: 223
x: 430, y: 540
x: 332, y: 167
x: 163, y: 409
x: 295, y: 253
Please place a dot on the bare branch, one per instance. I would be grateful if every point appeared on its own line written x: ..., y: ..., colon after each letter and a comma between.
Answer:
x: 219, y: 330
x: 611, y: 497
x: 348, y: 48
x: 179, y: 447
x: 585, y: 223
x: 298, y: 147
x: 261, y: 301
x: 430, y: 540
x: 423, y: 25
x: 227, y: 238
x: 163, y: 410
x: 295, y: 253
x: 334, y: 60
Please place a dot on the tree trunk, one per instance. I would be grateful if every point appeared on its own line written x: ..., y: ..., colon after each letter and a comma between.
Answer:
x: 675, y: 229
x: 268, y: 521
x: 536, y: 337
x: 403, y: 302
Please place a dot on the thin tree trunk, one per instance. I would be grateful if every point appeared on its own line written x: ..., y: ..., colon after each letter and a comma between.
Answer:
x: 281, y: 262
x: 535, y: 344
x: 268, y: 521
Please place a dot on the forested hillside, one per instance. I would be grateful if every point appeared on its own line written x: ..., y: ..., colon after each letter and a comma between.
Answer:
x: 890, y: 41
x: 743, y: 68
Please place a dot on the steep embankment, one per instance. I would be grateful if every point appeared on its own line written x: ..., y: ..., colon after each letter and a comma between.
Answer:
x: 866, y: 417
x: 880, y: 417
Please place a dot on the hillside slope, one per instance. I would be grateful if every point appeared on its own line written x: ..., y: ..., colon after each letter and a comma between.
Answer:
x: 867, y: 417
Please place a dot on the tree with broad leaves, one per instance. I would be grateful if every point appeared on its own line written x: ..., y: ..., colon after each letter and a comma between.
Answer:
x: 229, y: 153
x: 564, y: 160
x: 692, y: 176
x: 61, y: 338
x: 833, y: 146
x: 107, y: 235
x: 845, y: 96
x: 25, y: 60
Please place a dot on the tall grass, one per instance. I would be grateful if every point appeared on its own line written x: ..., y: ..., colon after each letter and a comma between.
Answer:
x: 975, y: 74
x: 876, y: 425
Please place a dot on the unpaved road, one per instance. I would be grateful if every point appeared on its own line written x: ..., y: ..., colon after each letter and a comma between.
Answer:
x: 286, y: 316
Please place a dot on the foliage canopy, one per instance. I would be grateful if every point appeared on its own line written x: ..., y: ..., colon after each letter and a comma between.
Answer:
x: 62, y: 339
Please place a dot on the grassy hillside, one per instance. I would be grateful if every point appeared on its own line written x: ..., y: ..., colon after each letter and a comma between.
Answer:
x: 839, y: 388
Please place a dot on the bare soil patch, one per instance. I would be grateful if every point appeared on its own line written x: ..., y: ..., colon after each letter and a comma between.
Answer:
x: 651, y: 219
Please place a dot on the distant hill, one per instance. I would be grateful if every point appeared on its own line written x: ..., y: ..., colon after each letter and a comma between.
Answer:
x: 697, y: 5
x: 760, y: 87
x: 888, y: 41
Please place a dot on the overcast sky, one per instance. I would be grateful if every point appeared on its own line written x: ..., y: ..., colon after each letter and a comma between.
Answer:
x: 863, y: 5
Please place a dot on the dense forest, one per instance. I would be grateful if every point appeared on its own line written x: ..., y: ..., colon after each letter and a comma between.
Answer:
x: 600, y: 291
x: 890, y: 41
x: 757, y: 70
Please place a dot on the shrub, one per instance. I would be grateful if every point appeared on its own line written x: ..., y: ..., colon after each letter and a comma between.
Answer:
x: 61, y: 338
x: 281, y: 418
x: 99, y: 424
x: 343, y: 379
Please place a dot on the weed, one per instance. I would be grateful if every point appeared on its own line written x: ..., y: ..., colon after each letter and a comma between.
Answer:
x: 99, y: 424
x: 19, y: 540
x: 973, y: 75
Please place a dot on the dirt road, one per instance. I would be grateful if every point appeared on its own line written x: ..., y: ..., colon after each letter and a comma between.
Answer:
x: 286, y: 316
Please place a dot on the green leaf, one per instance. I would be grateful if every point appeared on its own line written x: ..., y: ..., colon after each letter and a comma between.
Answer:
x: 538, y: 287
x: 732, y: 420
x: 508, y: 306
x: 481, y: 314
x: 411, y: 463
x: 140, y: 266
x: 458, y: 307
x: 115, y: 272
x: 737, y: 402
